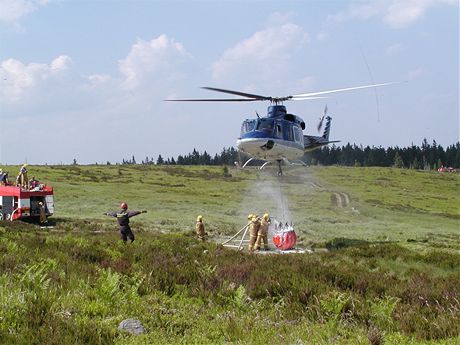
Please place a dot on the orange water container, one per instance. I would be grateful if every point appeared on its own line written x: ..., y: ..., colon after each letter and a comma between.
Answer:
x: 285, y: 240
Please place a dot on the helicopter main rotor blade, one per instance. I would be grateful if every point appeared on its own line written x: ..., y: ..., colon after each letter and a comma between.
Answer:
x: 341, y: 90
x: 238, y: 93
x: 304, y: 98
x: 249, y: 97
x: 213, y: 100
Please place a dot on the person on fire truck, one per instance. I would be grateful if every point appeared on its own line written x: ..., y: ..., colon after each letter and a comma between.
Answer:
x: 33, y: 183
x: 123, y: 221
x: 22, y: 179
x: 3, y: 178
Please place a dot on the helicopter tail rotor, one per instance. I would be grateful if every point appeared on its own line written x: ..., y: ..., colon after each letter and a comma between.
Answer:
x: 321, y: 120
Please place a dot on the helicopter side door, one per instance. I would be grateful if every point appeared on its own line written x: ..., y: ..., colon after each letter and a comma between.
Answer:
x: 298, y: 135
x: 278, y: 130
x: 265, y: 125
x: 288, y: 133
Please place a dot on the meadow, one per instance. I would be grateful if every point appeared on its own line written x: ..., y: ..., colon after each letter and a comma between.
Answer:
x: 384, y: 267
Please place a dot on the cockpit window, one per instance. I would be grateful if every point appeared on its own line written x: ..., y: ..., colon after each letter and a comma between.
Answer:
x: 298, y: 136
x: 279, y: 131
x: 248, y: 126
x: 265, y: 125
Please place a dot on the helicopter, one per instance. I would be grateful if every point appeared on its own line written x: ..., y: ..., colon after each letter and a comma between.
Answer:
x: 278, y: 137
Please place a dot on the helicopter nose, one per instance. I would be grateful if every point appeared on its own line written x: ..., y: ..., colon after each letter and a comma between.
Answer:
x: 255, y: 146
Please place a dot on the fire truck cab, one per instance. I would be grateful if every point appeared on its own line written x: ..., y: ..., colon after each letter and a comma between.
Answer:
x: 19, y: 203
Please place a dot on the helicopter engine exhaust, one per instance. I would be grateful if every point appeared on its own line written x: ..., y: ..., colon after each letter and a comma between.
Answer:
x: 268, y: 146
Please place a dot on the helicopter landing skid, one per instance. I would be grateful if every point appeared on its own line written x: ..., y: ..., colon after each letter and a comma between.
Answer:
x: 280, y: 171
x: 247, y: 162
x: 264, y: 165
x: 299, y: 162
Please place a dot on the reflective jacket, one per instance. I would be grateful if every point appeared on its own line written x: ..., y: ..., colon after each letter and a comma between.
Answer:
x: 123, y: 216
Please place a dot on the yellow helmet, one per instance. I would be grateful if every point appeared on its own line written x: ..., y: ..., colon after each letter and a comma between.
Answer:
x: 199, y: 218
x: 266, y: 216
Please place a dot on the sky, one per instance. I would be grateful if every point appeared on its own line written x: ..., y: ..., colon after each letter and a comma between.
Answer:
x: 87, y: 80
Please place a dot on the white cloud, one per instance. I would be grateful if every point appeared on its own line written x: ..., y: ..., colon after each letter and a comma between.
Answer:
x: 11, y: 11
x: 144, y: 74
x: 152, y: 59
x: 18, y: 78
x: 394, y: 49
x: 99, y: 79
x: 394, y: 13
x: 415, y: 74
x: 359, y: 10
x: 322, y: 36
x: 403, y: 13
x: 261, y: 54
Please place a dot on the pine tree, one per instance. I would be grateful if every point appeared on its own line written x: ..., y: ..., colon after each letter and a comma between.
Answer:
x: 398, y: 162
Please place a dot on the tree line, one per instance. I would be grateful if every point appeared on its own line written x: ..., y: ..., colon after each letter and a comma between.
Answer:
x: 228, y: 156
x: 427, y: 156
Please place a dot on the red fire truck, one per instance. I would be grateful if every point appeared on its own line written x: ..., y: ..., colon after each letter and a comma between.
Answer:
x: 19, y: 203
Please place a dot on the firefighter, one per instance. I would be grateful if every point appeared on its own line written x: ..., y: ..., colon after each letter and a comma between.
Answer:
x: 253, y: 230
x: 3, y: 178
x: 33, y: 183
x: 22, y: 179
x: 199, y: 229
x: 262, y: 235
x: 123, y: 221
x: 42, y: 211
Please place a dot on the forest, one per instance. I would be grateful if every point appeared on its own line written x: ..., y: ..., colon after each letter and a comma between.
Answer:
x: 427, y: 157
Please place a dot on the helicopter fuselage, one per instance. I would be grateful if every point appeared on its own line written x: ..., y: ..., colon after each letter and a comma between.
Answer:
x: 278, y: 136
x: 275, y: 137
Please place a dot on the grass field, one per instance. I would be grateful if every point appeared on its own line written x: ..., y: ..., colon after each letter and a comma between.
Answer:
x: 390, y: 274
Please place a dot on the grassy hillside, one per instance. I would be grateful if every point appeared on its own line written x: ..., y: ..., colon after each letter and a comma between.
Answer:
x: 418, y: 209
x: 390, y: 276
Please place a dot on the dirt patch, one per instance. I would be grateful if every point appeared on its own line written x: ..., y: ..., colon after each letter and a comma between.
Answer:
x: 316, y: 185
x: 340, y: 199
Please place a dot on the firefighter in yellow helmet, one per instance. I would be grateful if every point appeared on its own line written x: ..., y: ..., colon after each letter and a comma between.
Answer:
x: 199, y: 228
x: 253, y: 230
x: 262, y: 234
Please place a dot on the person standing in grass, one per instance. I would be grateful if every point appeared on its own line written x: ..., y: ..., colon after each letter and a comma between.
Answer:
x: 123, y: 221
x: 199, y: 229
x: 262, y: 235
x: 254, y: 226
x: 42, y: 211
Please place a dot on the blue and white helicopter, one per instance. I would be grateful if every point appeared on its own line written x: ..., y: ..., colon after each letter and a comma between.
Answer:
x: 278, y: 137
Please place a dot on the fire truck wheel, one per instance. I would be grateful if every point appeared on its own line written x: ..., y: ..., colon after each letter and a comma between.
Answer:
x: 1, y: 216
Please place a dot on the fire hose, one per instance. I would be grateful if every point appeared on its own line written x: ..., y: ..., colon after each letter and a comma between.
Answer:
x: 11, y: 215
